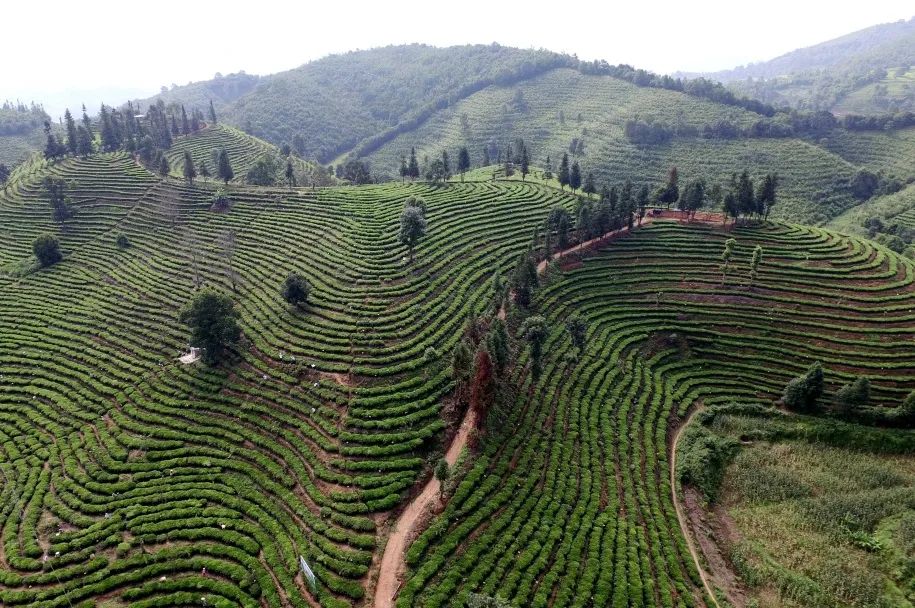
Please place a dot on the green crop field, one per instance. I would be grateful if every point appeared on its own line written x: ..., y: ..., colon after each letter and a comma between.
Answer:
x: 130, y: 479
x: 126, y: 473
x: 564, y: 104
x: 891, y: 208
x: 244, y: 150
x: 570, y: 503
x: 875, y: 150
x: 14, y: 149
x: 900, y: 93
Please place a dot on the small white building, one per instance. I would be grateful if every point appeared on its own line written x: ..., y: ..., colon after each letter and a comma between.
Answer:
x: 190, y: 357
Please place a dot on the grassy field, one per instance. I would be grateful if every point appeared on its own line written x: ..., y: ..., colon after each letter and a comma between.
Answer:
x: 818, y: 522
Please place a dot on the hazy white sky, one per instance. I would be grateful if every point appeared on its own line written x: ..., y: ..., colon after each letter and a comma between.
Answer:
x: 65, y: 51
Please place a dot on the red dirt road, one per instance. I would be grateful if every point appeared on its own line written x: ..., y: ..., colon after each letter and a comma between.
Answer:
x: 408, y: 524
x: 392, y: 562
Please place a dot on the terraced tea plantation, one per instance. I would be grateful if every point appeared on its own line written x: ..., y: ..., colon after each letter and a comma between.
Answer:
x: 564, y: 104
x: 244, y: 150
x: 129, y: 478
x: 570, y: 504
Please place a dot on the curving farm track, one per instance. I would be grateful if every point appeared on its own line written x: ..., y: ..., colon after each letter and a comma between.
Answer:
x: 571, y: 502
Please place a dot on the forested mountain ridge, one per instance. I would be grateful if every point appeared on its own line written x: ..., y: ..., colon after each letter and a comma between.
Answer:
x: 869, y: 44
x: 821, y: 77
x: 20, y: 130
x: 221, y: 90
x: 617, y: 122
x: 325, y: 107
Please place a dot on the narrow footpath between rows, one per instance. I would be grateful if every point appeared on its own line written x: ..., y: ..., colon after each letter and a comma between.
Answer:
x: 681, y: 517
x: 393, y: 566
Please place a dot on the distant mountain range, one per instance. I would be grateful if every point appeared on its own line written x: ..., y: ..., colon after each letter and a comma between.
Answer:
x: 617, y: 122
x: 868, y: 71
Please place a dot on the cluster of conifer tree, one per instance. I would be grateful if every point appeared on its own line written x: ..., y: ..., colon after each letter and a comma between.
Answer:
x: 17, y: 118
x: 436, y: 169
x: 146, y: 135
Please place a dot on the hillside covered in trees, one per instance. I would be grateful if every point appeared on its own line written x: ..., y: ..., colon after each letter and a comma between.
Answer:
x: 861, y: 72
x: 326, y: 107
x: 20, y: 131
x: 376, y: 106
x: 361, y: 113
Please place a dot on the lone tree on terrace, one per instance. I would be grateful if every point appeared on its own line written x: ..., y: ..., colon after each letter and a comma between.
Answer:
x: 853, y: 396
x: 577, y: 328
x: 483, y: 388
x: 295, y: 290
x: 524, y: 280
x: 213, y: 321
x: 56, y: 189
x: 589, y: 187
x: 412, y: 225
x: 290, y: 173
x: 754, y: 264
x: 463, y: 161
x: 47, y: 250
x: 224, y: 168
x: 404, y: 169
x: 726, y: 256
x: 575, y: 177
x: 442, y: 473
x: 497, y: 343
x: 189, y: 171
x: 670, y: 192
x: 413, y: 167
x: 534, y: 330
x: 564, y: 171
x: 801, y: 394
x: 766, y: 195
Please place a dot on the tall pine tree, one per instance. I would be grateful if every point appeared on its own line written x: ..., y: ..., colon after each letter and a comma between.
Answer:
x: 224, y: 170
x: 575, y: 177
x: 189, y: 172
x: 463, y: 161
x: 404, y: 169
x: 564, y: 175
x: 87, y: 123
x: 72, y: 138
x: 414, y: 166
x: 290, y: 173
